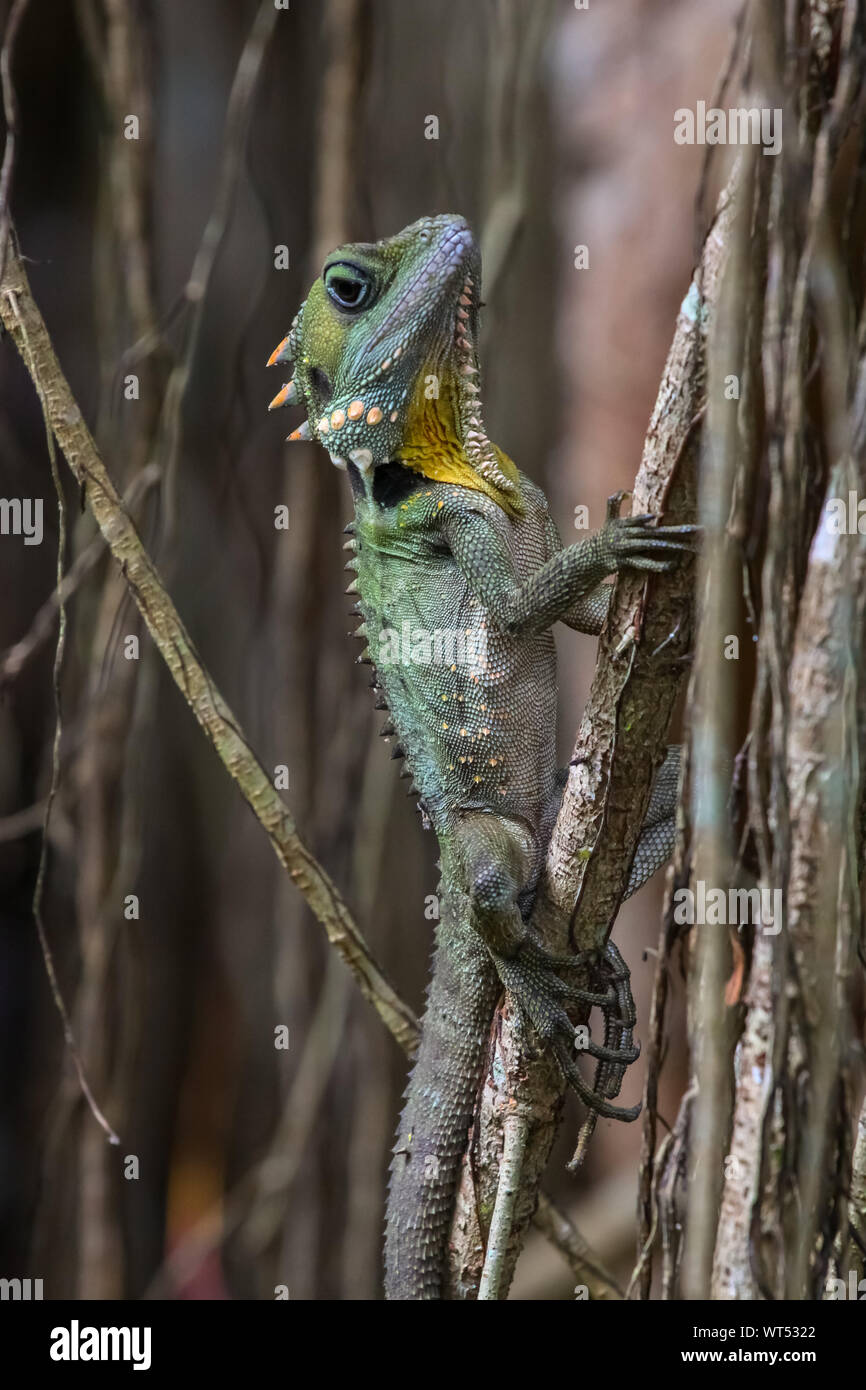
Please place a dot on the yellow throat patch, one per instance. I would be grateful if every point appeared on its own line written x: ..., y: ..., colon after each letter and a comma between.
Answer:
x: 431, y: 447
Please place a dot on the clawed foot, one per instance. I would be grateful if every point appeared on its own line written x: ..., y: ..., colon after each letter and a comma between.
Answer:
x: 636, y: 544
x: 530, y: 977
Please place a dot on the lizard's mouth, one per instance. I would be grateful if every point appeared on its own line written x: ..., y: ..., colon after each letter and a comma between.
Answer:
x: 322, y: 385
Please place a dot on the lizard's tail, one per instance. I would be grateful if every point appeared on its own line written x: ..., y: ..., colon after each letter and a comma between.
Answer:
x: 440, y: 1100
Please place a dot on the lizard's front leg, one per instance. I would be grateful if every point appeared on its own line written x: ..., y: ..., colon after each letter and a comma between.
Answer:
x: 569, y: 580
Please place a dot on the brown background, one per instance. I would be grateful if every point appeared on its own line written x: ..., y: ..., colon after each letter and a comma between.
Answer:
x: 261, y: 1167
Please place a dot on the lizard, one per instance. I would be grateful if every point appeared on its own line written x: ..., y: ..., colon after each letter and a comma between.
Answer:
x: 459, y: 574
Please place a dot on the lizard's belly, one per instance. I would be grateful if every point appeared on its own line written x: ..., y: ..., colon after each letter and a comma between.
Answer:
x: 474, y: 708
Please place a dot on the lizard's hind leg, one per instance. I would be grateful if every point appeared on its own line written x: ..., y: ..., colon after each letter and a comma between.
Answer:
x: 498, y: 857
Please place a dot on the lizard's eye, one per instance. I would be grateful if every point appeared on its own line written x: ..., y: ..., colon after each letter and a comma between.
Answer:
x: 347, y: 285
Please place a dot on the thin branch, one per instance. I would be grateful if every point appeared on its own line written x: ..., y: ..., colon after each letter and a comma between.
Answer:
x: 170, y: 636
x: 585, y: 1265
x: 195, y: 292
x: 514, y: 1142
x: 24, y: 346
x: 22, y: 651
x: 10, y: 111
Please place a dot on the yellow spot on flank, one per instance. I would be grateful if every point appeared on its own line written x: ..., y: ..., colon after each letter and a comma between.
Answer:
x: 444, y: 726
x: 338, y: 419
x: 476, y: 778
x: 463, y: 733
x: 439, y: 506
x: 355, y: 410
x: 374, y: 415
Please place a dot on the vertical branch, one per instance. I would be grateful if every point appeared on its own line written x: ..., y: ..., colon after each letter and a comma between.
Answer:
x: 715, y: 688
x: 10, y: 112
x: 782, y: 1210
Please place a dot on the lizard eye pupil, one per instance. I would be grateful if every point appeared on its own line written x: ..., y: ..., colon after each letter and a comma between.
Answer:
x: 346, y: 290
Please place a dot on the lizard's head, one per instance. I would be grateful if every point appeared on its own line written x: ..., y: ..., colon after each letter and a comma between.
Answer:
x: 386, y: 363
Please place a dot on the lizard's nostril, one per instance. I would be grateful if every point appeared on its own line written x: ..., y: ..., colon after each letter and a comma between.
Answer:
x: 321, y: 384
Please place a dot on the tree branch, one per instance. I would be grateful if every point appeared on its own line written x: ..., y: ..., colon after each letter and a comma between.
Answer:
x: 178, y: 652
x: 619, y: 747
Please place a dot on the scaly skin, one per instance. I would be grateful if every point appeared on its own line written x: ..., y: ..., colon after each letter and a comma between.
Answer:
x: 460, y: 574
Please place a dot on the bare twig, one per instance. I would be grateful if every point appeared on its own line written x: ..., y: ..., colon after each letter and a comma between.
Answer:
x: 177, y: 650
x: 585, y: 1264
x: 18, y: 655
x: 11, y: 311
x: 514, y: 1141
x: 10, y: 111
x: 195, y: 292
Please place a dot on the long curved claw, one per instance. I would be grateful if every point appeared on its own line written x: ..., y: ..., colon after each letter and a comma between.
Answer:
x: 575, y: 995
x: 637, y: 562
x: 598, y: 1104
x: 653, y: 541
x: 616, y: 968
x: 625, y: 1055
x: 614, y: 502
x: 677, y: 529
x: 533, y: 952
x: 617, y: 1037
x: 539, y: 992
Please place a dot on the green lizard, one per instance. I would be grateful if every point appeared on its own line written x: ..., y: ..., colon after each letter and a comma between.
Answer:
x: 459, y: 575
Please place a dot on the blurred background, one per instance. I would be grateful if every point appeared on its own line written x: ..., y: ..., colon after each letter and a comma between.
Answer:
x: 178, y: 258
